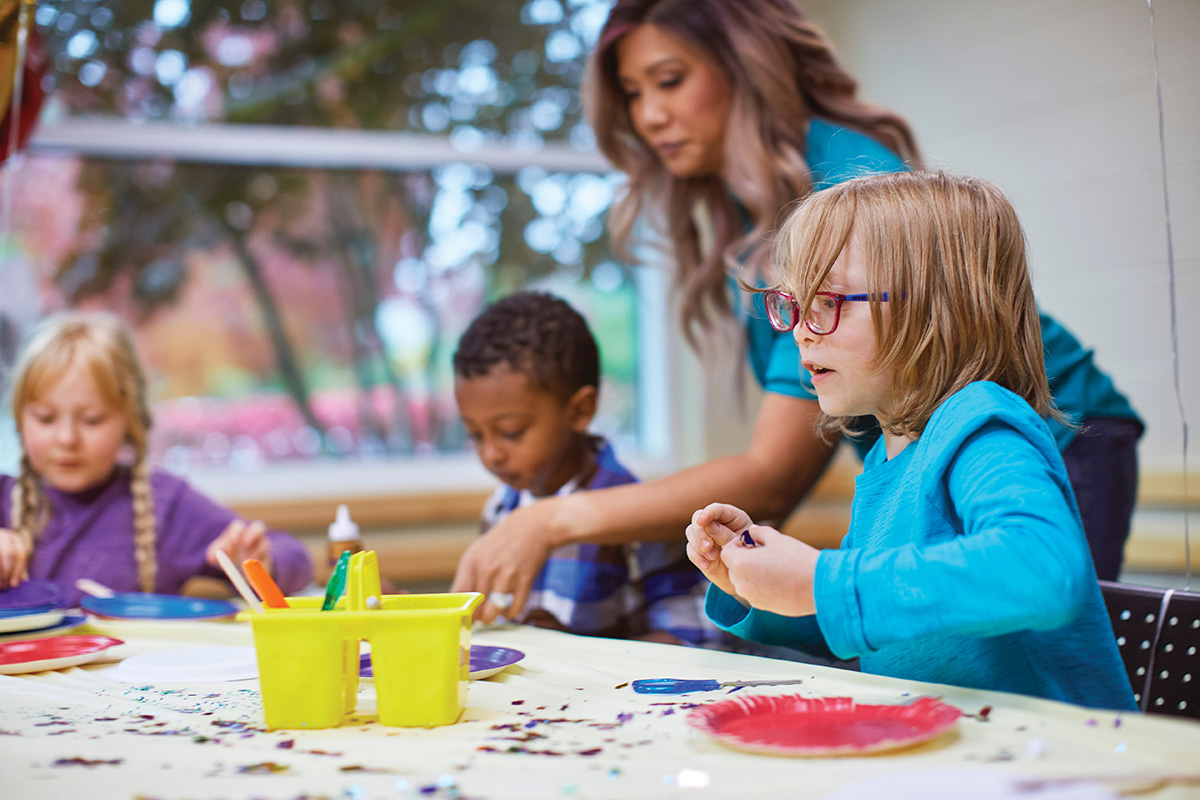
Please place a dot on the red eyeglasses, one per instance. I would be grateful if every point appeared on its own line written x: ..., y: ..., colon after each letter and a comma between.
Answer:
x: 823, y: 315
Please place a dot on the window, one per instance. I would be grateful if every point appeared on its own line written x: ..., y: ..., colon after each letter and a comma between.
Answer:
x: 300, y: 206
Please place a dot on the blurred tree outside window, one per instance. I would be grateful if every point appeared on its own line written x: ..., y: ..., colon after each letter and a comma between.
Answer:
x: 300, y: 206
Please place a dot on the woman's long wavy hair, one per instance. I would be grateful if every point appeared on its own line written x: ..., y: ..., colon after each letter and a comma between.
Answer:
x: 950, y: 253
x: 782, y: 71
x: 100, y: 344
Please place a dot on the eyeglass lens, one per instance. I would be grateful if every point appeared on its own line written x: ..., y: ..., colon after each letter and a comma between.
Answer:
x: 823, y: 314
x: 781, y: 311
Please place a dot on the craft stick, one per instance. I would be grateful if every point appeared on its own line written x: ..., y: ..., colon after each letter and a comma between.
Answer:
x: 89, y: 586
x: 239, y: 583
x: 261, y: 580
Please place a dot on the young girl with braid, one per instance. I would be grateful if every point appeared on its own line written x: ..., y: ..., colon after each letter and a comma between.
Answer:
x: 75, y: 511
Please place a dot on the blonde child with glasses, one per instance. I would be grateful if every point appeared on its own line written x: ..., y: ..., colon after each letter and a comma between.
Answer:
x: 79, y: 508
x: 965, y: 563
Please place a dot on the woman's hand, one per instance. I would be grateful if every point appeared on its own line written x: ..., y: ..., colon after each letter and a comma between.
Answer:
x: 505, y: 561
x: 14, y: 559
x: 242, y: 540
x: 775, y: 575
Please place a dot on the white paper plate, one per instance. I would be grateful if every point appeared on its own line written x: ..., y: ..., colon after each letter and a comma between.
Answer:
x: 30, y: 622
x: 69, y: 622
x: 188, y: 665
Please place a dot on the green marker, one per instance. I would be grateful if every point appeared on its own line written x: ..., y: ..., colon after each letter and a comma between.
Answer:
x: 337, y: 582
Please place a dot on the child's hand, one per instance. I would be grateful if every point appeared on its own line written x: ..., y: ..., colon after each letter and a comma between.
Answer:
x: 712, y: 528
x: 14, y: 559
x: 242, y: 540
x: 776, y: 575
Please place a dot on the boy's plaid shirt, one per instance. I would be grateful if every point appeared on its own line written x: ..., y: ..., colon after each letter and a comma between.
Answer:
x: 615, y: 590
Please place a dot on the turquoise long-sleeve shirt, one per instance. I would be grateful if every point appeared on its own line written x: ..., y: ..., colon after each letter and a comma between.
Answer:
x: 965, y: 563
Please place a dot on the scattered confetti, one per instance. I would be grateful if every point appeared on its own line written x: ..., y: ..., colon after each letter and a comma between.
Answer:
x: 983, y: 714
x: 265, y: 768
x: 86, y: 762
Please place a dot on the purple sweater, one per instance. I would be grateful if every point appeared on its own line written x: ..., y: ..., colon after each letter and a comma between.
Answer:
x: 90, y: 535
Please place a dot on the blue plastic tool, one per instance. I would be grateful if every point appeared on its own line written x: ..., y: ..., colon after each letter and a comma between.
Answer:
x: 748, y: 540
x: 681, y: 685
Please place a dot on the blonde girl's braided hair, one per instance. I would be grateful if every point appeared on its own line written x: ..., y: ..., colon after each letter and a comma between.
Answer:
x: 99, y: 343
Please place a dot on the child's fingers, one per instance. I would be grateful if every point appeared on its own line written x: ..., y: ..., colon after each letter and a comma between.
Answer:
x: 699, y: 551
x: 253, y: 541
x: 712, y: 567
x: 520, y: 595
x: 232, y: 531
x: 14, y: 560
x: 721, y: 520
x: 230, y: 541
x: 699, y: 537
x: 8, y: 569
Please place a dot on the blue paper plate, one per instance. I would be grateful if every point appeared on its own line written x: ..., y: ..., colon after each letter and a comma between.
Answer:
x: 134, y: 605
x: 34, y: 596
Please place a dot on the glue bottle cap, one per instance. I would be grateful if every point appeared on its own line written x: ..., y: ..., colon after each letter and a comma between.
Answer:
x: 343, y: 529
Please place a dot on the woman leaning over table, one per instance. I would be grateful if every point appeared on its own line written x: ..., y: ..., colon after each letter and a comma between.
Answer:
x: 721, y: 114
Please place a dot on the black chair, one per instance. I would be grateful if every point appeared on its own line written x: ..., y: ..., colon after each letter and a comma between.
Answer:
x: 1158, y: 634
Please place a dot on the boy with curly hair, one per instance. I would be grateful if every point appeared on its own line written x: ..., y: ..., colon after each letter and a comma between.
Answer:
x: 527, y: 378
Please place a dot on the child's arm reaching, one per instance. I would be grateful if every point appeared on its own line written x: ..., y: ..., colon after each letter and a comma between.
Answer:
x: 14, y: 559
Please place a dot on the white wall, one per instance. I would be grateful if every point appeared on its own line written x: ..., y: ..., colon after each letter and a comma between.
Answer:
x: 1055, y: 102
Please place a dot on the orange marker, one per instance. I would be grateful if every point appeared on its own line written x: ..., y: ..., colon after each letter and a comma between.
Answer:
x: 262, y: 583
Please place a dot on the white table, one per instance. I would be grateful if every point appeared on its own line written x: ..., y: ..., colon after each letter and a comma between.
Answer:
x: 555, y: 725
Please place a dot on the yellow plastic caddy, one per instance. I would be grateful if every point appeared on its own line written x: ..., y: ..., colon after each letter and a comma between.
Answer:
x: 308, y: 659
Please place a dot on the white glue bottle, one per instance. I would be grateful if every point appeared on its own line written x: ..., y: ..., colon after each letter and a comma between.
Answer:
x: 343, y: 535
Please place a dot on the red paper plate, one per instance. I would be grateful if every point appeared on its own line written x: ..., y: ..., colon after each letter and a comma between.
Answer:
x: 38, y: 655
x: 821, y: 726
